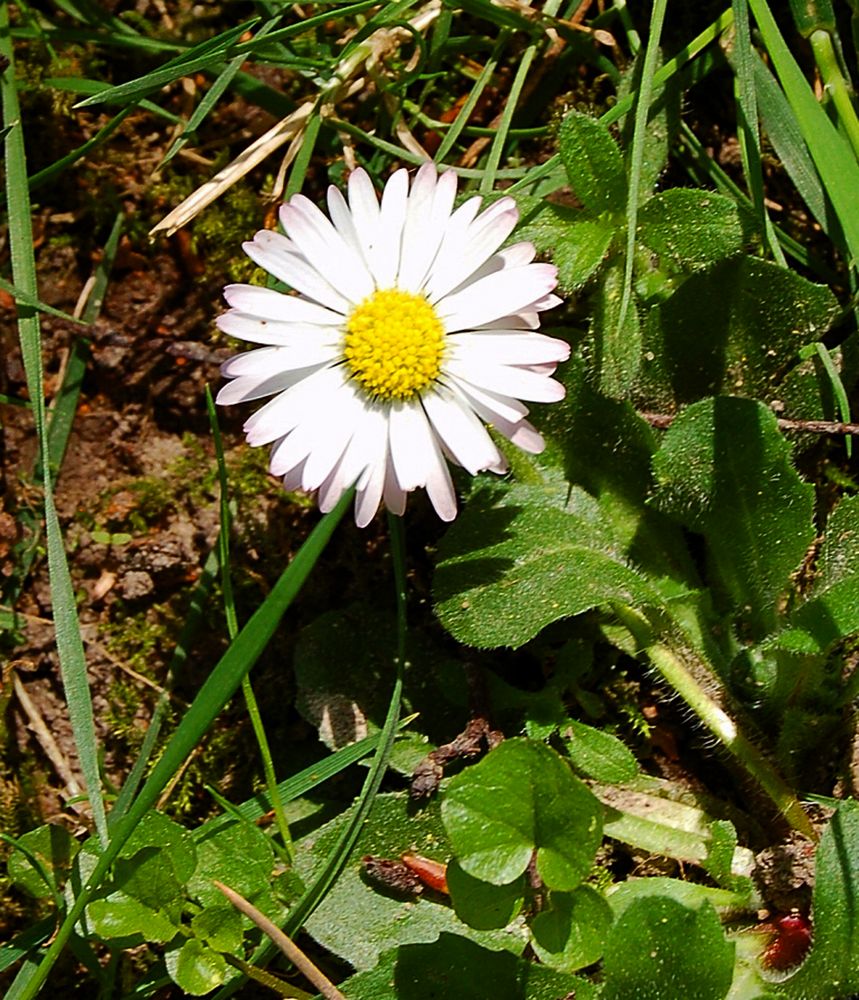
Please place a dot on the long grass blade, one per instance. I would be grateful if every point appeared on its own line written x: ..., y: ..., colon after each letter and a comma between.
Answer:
x: 70, y: 649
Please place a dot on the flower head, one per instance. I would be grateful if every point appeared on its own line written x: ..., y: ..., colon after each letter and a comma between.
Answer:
x: 409, y: 329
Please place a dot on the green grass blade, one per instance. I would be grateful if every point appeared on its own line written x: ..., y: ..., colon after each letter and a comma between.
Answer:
x: 785, y: 135
x: 220, y: 686
x: 626, y: 104
x: 833, y: 158
x: 206, y: 55
x: 30, y: 300
x: 70, y: 649
x: 636, y: 155
x: 743, y: 59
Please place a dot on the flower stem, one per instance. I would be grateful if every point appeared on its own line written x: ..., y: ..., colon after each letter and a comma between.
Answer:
x: 676, y: 672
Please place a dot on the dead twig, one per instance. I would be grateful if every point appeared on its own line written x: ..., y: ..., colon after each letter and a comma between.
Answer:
x: 286, y: 945
x: 662, y: 421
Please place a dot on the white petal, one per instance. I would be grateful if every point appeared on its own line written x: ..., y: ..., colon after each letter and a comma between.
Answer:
x: 480, y: 241
x: 342, y: 219
x: 453, y: 239
x: 279, y: 416
x: 385, y: 261
x: 427, y: 219
x: 490, y: 405
x: 325, y: 249
x: 439, y: 485
x: 279, y: 257
x: 271, y: 360
x: 292, y: 479
x: 509, y: 347
x: 496, y: 295
x: 268, y: 331
x: 462, y: 433
x: 364, y: 206
x: 508, y: 381
x: 392, y: 493
x: 333, y: 425
x: 249, y: 387
x: 407, y: 435
x: 266, y: 303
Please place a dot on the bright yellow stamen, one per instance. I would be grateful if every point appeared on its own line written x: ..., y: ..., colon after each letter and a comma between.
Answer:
x: 394, y: 344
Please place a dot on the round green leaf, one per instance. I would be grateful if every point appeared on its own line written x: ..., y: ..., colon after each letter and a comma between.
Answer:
x: 571, y: 933
x: 195, y: 968
x: 661, y: 950
x: 480, y: 904
x: 521, y: 798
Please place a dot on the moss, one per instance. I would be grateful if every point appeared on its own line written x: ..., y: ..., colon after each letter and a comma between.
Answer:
x: 144, y: 639
x: 220, y: 231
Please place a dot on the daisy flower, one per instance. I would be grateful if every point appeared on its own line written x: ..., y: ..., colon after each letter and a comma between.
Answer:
x: 409, y: 328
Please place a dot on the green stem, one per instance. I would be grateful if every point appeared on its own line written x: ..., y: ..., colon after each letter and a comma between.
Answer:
x: 836, y: 84
x: 678, y: 675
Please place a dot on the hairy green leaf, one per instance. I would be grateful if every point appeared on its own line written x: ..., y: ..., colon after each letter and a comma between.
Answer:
x: 53, y: 847
x: 599, y: 754
x: 521, y: 557
x: 730, y: 329
x: 724, y: 470
x: 593, y: 163
x: 446, y: 968
x: 831, y: 971
x: 691, y: 229
x: 196, y: 968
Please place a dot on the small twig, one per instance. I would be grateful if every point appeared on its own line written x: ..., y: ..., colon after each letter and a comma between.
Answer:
x: 46, y: 740
x: 286, y: 945
x: 664, y: 420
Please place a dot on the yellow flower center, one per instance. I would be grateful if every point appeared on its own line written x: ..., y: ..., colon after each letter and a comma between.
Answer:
x: 394, y: 344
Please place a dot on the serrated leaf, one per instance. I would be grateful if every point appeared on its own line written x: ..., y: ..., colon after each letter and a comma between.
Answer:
x: 724, y: 470
x: 593, y: 163
x: 480, y: 904
x: 831, y: 971
x: 520, y: 557
x: 660, y: 950
x: 54, y: 847
x: 691, y: 229
x: 599, y: 754
x: 729, y: 329
x: 521, y: 798
x: 195, y: 968
x: 125, y: 921
x: 446, y: 968
x: 571, y: 933
x: 616, y: 348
